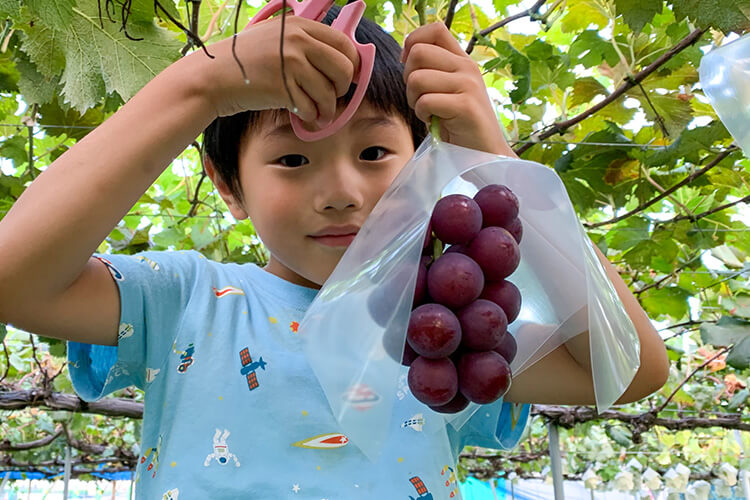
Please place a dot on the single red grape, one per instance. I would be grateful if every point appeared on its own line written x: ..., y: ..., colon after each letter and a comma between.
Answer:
x: 428, y: 237
x: 506, y: 295
x: 496, y: 252
x: 515, y: 228
x: 498, y: 204
x: 433, y: 331
x: 454, y: 280
x: 483, y: 324
x: 420, y: 288
x: 457, y: 248
x: 455, y: 405
x: 434, y: 382
x: 483, y: 376
x: 507, y: 347
x: 397, y: 348
x: 456, y: 219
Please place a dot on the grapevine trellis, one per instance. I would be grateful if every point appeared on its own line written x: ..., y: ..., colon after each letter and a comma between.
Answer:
x: 617, y: 180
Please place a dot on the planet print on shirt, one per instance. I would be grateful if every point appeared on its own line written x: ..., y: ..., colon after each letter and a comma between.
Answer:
x: 361, y: 397
x: 323, y: 442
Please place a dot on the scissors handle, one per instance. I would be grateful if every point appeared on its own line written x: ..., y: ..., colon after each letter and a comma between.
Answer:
x: 310, y: 9
x: 346, y: 22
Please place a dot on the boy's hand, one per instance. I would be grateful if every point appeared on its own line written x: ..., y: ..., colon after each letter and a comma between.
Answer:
x: 442, y: 80
x: 320, y: 63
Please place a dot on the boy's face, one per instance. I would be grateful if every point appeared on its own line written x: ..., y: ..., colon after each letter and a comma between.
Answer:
x: 296, y: 191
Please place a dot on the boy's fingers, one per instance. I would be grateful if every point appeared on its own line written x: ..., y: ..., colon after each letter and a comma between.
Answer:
x: 426, y: 56
x: 335, y: 39
x: 334, y: 65
x: 430, y: 81
x: 321, y: 91
x: 435, y: 34
x: 441, y: 105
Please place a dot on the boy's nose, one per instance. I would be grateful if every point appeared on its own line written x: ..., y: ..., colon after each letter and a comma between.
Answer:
x: 340, y: 187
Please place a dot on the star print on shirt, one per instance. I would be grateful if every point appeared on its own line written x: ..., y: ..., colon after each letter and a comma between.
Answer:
x: 295, y: 488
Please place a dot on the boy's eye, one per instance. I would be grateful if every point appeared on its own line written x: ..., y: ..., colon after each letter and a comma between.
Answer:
x: 371, y: 154
x: 292, y: 160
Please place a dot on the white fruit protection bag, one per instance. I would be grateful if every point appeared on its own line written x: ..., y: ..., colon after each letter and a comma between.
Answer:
x: 724, y: 76
x: 564, y: 289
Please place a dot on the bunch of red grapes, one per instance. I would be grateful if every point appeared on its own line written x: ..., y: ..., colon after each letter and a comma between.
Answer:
x: 457, y: 347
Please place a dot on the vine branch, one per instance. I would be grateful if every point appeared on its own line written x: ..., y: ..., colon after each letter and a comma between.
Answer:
x: 531, y: 12
x: 687, y: 180
x: 562, y: 126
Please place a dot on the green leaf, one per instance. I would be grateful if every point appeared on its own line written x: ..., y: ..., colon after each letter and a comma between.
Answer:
x: 10, y: 8
x: 520, y: 67
x: 739, y: 356
x: 670, y: 301
x: 57, y: 15
x: 3, y: 332
x: 738, y: 400
x: 35, y: 87
x: 728, y: 330
x: 673, y: 111
x: 739, y: 305
x: 585, y: 89
x: 96, y: 61
x: 638, y: 13
x: 628, y: 234
x: 580, y: 14
x: 589, y: 49
x: 724, y: 15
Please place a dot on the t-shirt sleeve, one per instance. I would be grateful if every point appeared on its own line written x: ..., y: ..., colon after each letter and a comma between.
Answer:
x: 499, y: 425
x: 155, y: 288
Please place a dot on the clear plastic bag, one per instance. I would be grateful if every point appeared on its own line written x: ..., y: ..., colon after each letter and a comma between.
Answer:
x: 724, y: 76
x: 364, y: 306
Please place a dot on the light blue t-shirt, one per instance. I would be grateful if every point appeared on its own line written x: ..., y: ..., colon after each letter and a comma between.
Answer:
x: 232, y: 408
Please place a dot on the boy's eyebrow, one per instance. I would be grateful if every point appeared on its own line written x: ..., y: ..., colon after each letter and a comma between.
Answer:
x: 368, y: 121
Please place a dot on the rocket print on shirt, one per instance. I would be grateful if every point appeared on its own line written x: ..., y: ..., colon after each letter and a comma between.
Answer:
x: 172, y: 494
x: 227, y: 291
x: 450, y: 480
x: 148, y: 261
x: 154, y: 462
x: 323, y: 441
x: 186, y: 356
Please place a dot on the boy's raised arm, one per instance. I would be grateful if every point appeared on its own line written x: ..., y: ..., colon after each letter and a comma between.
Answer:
x: 49, y: 284
x: 50, y: 233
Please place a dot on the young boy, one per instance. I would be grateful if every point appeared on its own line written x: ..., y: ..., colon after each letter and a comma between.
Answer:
x: 232, y: 408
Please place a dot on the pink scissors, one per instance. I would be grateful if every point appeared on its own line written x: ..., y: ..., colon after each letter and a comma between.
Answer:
x: 346, y: 22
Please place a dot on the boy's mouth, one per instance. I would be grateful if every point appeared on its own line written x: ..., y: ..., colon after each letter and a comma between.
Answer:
x: 336, y: 236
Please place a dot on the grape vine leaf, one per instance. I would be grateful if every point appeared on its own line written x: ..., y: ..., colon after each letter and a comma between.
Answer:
x: 57, y: 15
x: 638, y: 13
x: 9, y: 8
x: 730, y: 331
x: 725, y: 15
x: 95, y: 61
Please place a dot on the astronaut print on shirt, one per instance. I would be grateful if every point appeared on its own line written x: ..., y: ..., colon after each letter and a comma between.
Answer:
x: 221, y: 453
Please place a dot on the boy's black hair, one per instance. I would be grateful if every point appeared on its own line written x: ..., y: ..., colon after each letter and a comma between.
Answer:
x: 386, y: 92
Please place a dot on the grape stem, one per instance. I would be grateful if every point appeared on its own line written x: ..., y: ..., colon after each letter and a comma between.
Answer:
x: 437, y: 249
x: 435, y: 129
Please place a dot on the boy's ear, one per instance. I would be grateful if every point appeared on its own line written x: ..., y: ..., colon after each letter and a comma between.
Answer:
x: 235, y: 206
